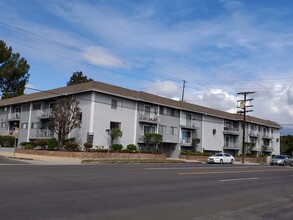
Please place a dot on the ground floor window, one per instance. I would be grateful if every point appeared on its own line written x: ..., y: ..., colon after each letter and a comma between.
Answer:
x: 115, y: 125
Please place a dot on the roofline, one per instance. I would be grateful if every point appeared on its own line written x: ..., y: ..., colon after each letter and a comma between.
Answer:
x: 133, y: 95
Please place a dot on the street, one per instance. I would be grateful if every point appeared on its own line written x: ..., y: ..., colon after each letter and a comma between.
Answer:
x: 146, y: 191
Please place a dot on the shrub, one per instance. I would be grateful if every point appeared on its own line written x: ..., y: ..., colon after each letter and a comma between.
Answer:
x: 195, y: 153
x: 69, y: 140
x: 116, y: 147
x: 131, y: 147
x: 27, y: 145
x: 7, y: 141
x: 40, y: 143
x: 52, y: 144
x: 72, y: 146
x: 88, y: 146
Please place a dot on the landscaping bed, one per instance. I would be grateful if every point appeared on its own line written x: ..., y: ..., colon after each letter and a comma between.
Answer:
x: 72, y: 154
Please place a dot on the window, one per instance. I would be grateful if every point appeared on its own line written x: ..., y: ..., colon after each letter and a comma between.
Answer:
x: 115, y: 104
x: 24, y: 125
x: 26, y: 107
x: 149, y: 129
x: 172, y: 112
x: 36, y: 106
x: 173, y: 130
x: 114, y: 125
x: 163, y: 110
x: 35, y: 125
x: 162, y: 129
x: 252, y: 126
x: 272, y: 130
x: 5, y: 109
x: 3, y: 125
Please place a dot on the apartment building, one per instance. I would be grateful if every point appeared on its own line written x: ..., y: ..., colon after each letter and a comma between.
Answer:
x: 106, y: 106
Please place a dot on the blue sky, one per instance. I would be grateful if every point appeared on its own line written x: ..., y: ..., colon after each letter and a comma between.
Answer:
x: 220, y: 47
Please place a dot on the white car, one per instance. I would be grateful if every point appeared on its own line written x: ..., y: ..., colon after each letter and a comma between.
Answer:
x: 221, y: 158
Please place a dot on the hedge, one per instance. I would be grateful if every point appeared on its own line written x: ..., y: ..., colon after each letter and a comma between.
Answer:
x: 7, y: 141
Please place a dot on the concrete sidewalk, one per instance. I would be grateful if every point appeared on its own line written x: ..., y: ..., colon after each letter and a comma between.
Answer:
x: 40, y: 160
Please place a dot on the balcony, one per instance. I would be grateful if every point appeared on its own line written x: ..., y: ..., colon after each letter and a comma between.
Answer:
x: 188, y: 124
x: 186, y: 141
x: 231, y: 131
x: 266, y: 135
x: 231, y: 146
x: 149, y: 118
x: 45, y: 113
x: 13, y: 116
x: 266, y: 148
x: 254, y: 133
x: 43, y: 133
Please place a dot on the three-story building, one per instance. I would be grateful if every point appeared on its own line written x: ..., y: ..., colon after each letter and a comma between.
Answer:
x: 135, y: 113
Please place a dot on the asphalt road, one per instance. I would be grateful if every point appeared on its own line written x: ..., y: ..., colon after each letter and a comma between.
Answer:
x: 144, y: 191
x: 7, y: 161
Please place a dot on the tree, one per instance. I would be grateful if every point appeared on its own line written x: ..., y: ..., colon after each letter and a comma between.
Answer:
x: 65, y: 116
x: 286, y: 143
x: 13, y: 72
x: 78, y: 78
x: 114, y: 134
x: 195, y: 142
x: 153, y: 138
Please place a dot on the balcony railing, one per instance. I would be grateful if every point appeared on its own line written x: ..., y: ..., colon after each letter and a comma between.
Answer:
x: 254, y: 133
x: 231, y: 145
x: 188, y: 124
x: 13, y: 116
x: 186, y: 140
x: 229, y: 130
x: 149, y: 118
x: 45, y: 113
x: 43, y: 133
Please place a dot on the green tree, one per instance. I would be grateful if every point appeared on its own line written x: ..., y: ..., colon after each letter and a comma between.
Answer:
x: 114, y: 134
x: 13, y: 72
x: 286, y: 144
x: 65, y: 116
x: 78, y: 78
x: 153, y: 138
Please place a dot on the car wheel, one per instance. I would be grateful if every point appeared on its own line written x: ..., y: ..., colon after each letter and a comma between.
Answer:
x: 221, y: 161
x: 272, y: 164
x: 232, y: 161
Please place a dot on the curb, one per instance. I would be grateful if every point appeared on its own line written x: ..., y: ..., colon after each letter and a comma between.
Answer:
x: 20, y: 158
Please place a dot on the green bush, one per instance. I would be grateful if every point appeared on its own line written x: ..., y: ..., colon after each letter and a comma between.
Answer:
x: 72, y: 140
x: 40, y: 143
x: 72, y: 146
x: 116, y: 147
x: 197, y: 153
x: 27, y: 145
x: 131, y: 147
x: 52, y: 144
x: 7, y: 141
x: 88, y: 146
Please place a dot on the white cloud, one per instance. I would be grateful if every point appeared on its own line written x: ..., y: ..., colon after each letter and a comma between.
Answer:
x: 102, y: 57
x: 290, y: 95
x: 164, y: 88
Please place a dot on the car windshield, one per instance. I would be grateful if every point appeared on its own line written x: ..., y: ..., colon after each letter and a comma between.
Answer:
x: 279, y: 157
x: 218, y: 155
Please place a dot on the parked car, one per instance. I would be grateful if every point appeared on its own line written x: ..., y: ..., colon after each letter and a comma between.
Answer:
x: 221, y: 158
x: 282, y: 160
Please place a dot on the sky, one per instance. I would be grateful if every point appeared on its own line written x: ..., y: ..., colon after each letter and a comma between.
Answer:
x: 219, y: 47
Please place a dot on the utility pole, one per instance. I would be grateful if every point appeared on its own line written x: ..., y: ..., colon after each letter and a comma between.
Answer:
x: 243, y: 109
x: 183, y: 88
